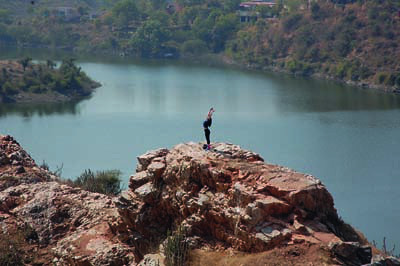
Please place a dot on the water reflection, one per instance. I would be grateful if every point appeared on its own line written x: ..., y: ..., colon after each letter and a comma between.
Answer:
x: 44, y: 109
x: 166, y: 84
x: 308, y: 95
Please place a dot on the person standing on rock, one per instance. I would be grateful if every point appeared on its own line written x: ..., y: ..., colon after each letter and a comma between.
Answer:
x: 206, y: 124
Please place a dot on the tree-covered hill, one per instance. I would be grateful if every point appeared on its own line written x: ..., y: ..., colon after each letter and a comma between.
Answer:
x: 27, y: 7
x: 353, y: 40
x: 24, y: 81
x: 358, y: 42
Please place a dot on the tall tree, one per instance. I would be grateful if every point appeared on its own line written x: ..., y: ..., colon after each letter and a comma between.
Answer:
x: 149, y: 38
x: 50, y: 64
x: 25, y: 62
x: 125, y: 11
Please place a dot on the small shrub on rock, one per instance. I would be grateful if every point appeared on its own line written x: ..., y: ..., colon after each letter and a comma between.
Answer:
x: 106, y: 182
x: 177, y: 248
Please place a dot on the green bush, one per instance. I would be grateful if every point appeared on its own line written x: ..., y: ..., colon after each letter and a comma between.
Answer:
x: 381, y: 77
x: 341, y: 70
x: 315, y: 10
x: 9, y: 89
x: 106, y: 182
x: 177, y: 248
x: 343, y: 43
x: 298, y: 67
x: 292, y: 22
x: 194, y: 47
x: 292, y: 66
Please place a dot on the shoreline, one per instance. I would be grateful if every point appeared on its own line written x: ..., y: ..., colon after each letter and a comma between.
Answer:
x: 316, y: 76
x: 222, y: 59
x: 45, y: 98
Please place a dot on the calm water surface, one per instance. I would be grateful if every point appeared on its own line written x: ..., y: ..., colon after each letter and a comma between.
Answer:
x: 347, y: 137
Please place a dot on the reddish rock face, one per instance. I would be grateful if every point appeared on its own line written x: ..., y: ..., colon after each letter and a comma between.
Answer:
x: 52, y: 223
x: 228, y: 195
x: 225, y: 198
x: 16, y: 166
x: 76, y: 225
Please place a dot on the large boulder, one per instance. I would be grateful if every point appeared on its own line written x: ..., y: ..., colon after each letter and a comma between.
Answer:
x: 228, y: 195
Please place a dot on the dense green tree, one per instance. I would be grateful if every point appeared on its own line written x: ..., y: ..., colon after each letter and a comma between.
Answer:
x: 25, y: 62
x: 149, y: 39
x: 194, y: 47
x: 125, y: 11
x: 224, y: 27
x: 230, y: 5
x: 315, y: 10
x: 191, y: 2
x: 50, y: 64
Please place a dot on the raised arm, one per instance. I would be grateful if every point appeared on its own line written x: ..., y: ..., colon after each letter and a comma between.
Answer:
x: 210, y: 113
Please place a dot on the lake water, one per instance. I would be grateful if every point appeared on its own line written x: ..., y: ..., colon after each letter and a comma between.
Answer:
x: 347, y: 137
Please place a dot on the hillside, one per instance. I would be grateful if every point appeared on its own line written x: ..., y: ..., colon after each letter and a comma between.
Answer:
x: 355, y: 42
x: 225, y: 205
x: 27, y: 7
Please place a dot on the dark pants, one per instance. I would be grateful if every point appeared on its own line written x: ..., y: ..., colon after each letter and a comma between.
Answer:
x: 207, y: 133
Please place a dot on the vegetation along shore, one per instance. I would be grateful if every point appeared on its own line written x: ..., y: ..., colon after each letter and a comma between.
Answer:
x: 350, y: 41
x: 22, y: 81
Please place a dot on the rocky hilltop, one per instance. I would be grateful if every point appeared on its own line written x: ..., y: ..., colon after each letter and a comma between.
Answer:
x: 228, y: 201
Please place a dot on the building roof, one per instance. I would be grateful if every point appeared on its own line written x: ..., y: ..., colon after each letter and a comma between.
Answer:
x: 257, y: 3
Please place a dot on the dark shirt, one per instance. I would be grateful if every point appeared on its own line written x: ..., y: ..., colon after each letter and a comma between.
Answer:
x: 207, y: 123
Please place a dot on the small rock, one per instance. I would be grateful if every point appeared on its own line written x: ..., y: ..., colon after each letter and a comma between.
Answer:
x: 351, y: 252
x: 152, y: 260
x: 156, y: 168
x: 146, y: 192
x: 145, y: 160
x: 379, y: 260
x: 15, y: 162
x: 139, y: 179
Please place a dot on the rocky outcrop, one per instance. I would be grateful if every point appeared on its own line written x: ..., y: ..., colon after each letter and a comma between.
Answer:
x: 62, y: 224
x: 227, y: 198
x: 75, y: 225
x: 16, y: 166
x: 230, y: 198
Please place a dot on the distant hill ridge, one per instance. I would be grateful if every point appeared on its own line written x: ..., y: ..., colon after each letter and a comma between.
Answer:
x: 356, y: 42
